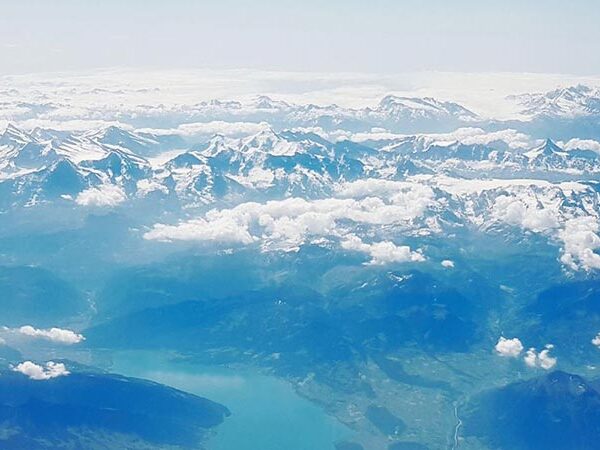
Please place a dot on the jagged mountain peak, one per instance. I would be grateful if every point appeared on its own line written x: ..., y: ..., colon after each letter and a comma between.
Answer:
x: 577, y: 92
x: 547, y: 149
x: 563, y: 103
x: 114, y: 135
x: 215, y: 145
x: 267, y: 140
x: 15, y: 136
x: 426, y: 107
x: 266, y: 102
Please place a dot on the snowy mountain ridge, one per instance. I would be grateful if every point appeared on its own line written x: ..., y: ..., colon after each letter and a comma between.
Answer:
x: 296, y: 186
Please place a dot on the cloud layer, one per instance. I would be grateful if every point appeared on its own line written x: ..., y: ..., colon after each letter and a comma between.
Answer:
x: 289, y: 223
x: 102, y: 196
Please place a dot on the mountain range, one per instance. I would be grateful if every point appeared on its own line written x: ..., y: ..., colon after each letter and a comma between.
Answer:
x: 47, y: 166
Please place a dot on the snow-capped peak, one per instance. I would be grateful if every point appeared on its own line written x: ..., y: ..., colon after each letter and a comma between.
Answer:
x: 425, y: 107
x: 266, y: 102
x: 270, y: 142
x: 216, y: 145
x: 15, y: 136
x: 113, y: 135
x: 566, y: 102
x: 547, y: 149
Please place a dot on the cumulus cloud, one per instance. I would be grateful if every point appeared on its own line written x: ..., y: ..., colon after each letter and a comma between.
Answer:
x: 57, y: 335
x: 291, y: 221
x: 382, y: 252
x: 102, y: 196
x: 535, y: 205
x: 542, y: 210
x: 530, y: 357
x: 257, y: 177
x: 580, y: 239
x: 448, y: 264
x: 512, y: 348
x: 582, y: 144
x: 222, y: 229
x: 515, y: 211
x: 146, y: 186
x: 509, y: 347
x: 414, y: 197
x: 38, y: 372
x: 542, y: 359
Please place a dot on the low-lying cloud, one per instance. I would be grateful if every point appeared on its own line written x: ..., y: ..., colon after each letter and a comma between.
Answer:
x: 57, y: 335
x: 289, y: 223
x: 509, y: 347
x: 106, y: 195
x: 37, y: 372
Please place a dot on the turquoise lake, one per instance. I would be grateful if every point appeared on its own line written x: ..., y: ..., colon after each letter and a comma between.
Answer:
x: 266, y: 412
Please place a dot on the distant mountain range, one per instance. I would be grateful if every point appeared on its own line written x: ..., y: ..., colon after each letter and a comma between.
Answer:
x: 562, y: 113
x: 569, y: 102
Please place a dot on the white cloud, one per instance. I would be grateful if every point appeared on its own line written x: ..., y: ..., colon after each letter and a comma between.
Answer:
x: 580, y: 239
x: 382, y: 252
x: 542, y: 359
x: 530, y: 357
x: 58, y: 335
x: 223, y: 229
x: 545, y: 360
x: 477, y: 136
x: 596, y: 340
x: 402, y: 206
x: 257, y: 177
x: 74, y: 125
x: 373, y: 135
x: 291, y: 221
x: 540, y: 207
x: 104, y: 195
x: 37, y: 372
x: 515, y: 211
x: 509, y: 347
x: 203, y: 129
x: 220, y: 127
x: 512, y: 348
x: 414, y: 196
x: 146, y: 186
x: 582, y: 144
x: 448, y: 264
x: 107, y: 94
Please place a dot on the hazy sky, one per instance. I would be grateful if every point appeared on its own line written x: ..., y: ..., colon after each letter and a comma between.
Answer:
x: 367, y: 36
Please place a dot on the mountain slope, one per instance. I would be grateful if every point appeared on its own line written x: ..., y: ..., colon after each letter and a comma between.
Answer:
x: 96, y: 410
